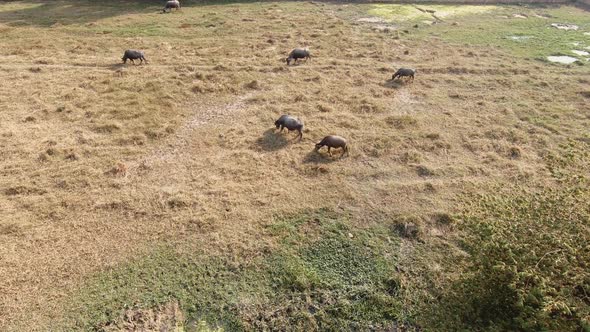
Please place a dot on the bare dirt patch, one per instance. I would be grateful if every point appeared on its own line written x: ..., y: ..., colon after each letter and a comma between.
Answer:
x: 168, y: 317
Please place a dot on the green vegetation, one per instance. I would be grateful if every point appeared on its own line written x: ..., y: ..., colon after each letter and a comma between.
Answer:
x: 529, y: 254
x: 202, y: 287
x: 322, y: 276
x: 346, y: 273
x: 524, y: 31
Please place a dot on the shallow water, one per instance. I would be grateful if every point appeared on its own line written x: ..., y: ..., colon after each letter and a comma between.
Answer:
x: 577, y: 52
x: 564, y: 59
x: 520, y: 38
x: 371, y: 20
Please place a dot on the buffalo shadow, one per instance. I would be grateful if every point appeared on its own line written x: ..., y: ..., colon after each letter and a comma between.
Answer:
x: 272, y: 140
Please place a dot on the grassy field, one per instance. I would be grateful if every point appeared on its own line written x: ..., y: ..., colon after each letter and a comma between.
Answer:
x: 141, y: 197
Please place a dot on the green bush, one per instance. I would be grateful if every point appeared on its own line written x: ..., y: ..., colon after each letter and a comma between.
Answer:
x: 530, y: 256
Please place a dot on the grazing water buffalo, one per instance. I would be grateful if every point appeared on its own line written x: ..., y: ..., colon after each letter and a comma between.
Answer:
x: 134, y: 55
x: 298, y: 53
x: 291, y: 123
x: 404, y: 72
x: 171, y: 4
x: 333, y: 141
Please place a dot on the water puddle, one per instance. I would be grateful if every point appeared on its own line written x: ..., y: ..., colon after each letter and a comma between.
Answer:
x: 582, y: 53
x: 564, y: 26
x: 564, y: 59
x: 520, y: 38
x: 371, y: 20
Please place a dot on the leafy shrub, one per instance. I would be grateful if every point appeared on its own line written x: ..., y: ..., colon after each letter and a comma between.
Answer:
x: 529, y: 261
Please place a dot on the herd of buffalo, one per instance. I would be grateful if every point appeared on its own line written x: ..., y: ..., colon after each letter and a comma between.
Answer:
x: 285, y: 121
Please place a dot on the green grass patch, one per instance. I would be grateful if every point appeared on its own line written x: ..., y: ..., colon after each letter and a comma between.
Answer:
x: 325, y: 275
x: 346, y: 274
x: 529, y: 35
x: 202, y: 287
x: 65, y: 13
x: 529, y: 263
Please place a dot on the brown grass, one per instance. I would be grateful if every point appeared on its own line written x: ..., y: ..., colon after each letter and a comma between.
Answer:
x: 99, y: 161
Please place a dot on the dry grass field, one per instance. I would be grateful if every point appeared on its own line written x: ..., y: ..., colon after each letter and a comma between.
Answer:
x: 160, y: 195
